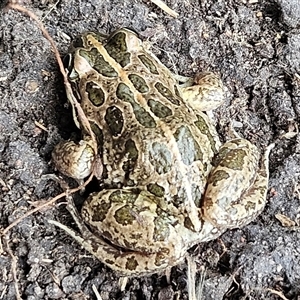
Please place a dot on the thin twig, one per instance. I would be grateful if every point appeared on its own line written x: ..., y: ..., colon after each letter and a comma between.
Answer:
x: 278, y: 293
x: 48, y: 203
x: 50, y: 10
x: 83, y: 119
x: 13, y: 269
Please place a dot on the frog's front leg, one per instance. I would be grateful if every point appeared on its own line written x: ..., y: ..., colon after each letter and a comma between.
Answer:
x: 73, y: 159
x: 129, y: 231
x: 206, y: 93
x: 237, y: 185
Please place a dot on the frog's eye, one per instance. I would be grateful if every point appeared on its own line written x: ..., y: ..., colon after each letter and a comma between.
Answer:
x: 68, y: 62
x: 69, y: 65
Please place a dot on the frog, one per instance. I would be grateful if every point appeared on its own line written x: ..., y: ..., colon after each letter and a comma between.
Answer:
x: 167, y: 182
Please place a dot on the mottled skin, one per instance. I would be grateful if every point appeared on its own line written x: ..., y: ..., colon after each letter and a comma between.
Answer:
x: 168, y: 182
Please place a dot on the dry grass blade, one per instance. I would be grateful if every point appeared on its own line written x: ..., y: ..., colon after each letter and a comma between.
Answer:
x: 41, y: 126
x: 195, y: 286
x: 279, y: 294
x: 191, y: 275
x: 13, y: 269
x: 98, y: 296
x: 165, y: 8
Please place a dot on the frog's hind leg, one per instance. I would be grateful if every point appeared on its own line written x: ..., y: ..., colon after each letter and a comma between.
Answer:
x: 131, y: 216
x: 128, y: 263
x: 237, y: 186
x: 206, y: 93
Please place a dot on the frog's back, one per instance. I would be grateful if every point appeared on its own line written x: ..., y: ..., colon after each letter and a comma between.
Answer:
x: 149, y: 137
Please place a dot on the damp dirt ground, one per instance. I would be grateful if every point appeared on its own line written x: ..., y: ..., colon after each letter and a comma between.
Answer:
x: 253, y: 45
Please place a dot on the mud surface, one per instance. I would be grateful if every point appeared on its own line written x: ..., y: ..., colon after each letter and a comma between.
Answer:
x: 256, y: 49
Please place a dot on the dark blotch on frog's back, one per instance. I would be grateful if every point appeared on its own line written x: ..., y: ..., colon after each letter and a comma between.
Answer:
x: 205, y: 130
x: 233, y: 159
x: 114, y: 120
x: 156, y: 189
x: 96, y: 61
x: 139, y: 83
x: 96, y: 94
x: 116, y: 47
x: 124, y: 93
x: 131, y: 154
x: 218, y: 176
x: 189, y: 149
x: 159, y: 109
x: 167, y: 94
x: 147, y: 62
